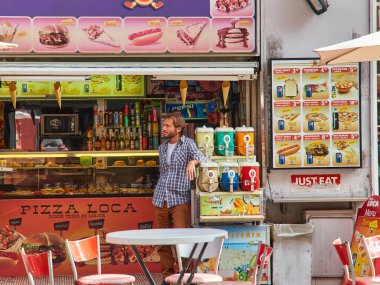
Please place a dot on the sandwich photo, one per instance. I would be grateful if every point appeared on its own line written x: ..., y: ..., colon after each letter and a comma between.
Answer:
x: 289, y: 150
x: 190, y: 34
x: 145, y: 37
x: 317, y: 148
x: 320, y: 89
x: 54, y: 36
x: 41, y: 242
x: 291, y: 88
x: 10, y: 246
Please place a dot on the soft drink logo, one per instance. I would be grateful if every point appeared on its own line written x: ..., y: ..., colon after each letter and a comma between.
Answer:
x: 281, y: 125
x: 143, y: 3
x: 55, y: 123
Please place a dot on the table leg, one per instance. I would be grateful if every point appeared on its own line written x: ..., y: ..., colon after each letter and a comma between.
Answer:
x: 188, y: 262
x: 199, y: 258
x: 143, y: 266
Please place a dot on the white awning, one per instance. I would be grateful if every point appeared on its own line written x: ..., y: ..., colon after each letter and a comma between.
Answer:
x: 240, y: 70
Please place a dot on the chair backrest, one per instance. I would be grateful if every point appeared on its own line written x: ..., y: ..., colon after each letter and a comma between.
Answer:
x: 344, y: 253
x: 38, y: 265
x: 372, y: 248
x: 213, y: 250
x: 264, y: 253
x: 84, y: 250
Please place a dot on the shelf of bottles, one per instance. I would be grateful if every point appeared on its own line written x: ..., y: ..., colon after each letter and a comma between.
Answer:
x: 133, y: 128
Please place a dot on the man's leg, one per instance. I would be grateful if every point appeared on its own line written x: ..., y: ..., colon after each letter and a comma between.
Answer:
x: 181, y: 216
x: 162, y: 221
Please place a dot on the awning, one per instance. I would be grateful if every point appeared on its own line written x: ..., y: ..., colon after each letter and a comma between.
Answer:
x: 204, y: 70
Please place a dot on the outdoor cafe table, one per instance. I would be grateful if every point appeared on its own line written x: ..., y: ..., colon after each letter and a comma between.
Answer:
x: 171, y: 236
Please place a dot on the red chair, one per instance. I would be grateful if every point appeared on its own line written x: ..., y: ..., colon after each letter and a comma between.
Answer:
x: 38, y: 265
x: 213, y: 250
x: 372, y: 249
x: 257, y: 270
x: 89, y: 249
x: 344, y: 252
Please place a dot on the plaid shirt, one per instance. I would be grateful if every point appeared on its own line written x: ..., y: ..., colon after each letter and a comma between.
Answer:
x: 173, y: 185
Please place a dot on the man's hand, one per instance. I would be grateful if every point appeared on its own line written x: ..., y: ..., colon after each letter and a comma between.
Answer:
x: 190, y: 170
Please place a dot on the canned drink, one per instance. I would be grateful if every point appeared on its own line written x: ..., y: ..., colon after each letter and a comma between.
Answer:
x: 281, y: 159
x: 156, y: 142
x: 86, y: 88
x: 24, y: 88
x: 309, y: 91
x: 338, y: 157
x: 280, y: 92
x: 281, y: 125
x: 309, y: 159
x: 310, y: 125
x: 116, y: 119
x: 333, y: 92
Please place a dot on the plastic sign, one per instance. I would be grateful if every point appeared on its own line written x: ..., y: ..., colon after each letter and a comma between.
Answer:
x: 316, y: 182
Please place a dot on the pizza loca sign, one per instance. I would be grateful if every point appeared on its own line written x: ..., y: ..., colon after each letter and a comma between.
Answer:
x: 71, y: 209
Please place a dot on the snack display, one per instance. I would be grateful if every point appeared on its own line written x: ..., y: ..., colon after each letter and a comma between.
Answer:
x: 41, y: 242
x: 10, y: 246
x: 119, y: 163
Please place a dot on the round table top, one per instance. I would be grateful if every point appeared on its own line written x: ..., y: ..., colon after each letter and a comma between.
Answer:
x: 165, y: 236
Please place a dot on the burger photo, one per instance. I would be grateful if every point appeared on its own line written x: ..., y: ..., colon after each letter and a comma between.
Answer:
x: 10, y: 246
x: 317, y: 149
x: 54, y: 36
x: 42, y: 242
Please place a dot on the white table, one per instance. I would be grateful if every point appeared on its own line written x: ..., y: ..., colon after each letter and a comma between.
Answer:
x: 167, y: 237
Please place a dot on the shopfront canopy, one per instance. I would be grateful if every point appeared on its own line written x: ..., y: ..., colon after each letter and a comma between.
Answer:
x: 232, y: 71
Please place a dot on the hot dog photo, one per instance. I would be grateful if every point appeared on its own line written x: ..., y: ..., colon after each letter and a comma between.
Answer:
x: 287, y: 151
x: 145, y: 35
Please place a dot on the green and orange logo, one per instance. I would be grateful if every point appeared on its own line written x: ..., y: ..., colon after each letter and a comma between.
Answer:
x: 144, y: 3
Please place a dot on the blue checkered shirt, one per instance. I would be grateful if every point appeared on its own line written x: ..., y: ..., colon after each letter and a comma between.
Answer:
x: 173, y: 185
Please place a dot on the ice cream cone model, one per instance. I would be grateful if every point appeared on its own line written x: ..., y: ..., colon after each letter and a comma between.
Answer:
x: 226, y: 90
x: 183, y: 89
x: 57, y: 92
x: 13, y: 92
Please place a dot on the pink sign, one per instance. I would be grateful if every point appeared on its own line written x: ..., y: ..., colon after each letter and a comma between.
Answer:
x: 232, y: 8
x: 145, y: 35
x: 17, y: 30
x: 55, y: 35
x: 188, y: 35
x: 233, y: 35
x: 100, y: 35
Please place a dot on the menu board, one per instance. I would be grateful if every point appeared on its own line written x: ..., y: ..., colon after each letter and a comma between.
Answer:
x: 315, y: 114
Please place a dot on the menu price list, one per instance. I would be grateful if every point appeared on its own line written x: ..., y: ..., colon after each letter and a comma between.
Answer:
x: 315, y: 115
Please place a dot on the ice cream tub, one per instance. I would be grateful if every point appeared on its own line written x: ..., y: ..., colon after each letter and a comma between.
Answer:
x: 208, y: 177
x: 250, y: 176
x: 224, y: 139
x: 229, y: 176
x: 244, y: 140
x: 204, y: 138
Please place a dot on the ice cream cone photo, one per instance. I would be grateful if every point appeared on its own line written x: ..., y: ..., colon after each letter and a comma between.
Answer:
x: 226, y: 85
x: 183, y: 89
x: 57, y: 92
x: 7, y: 32
x: 13, y: 92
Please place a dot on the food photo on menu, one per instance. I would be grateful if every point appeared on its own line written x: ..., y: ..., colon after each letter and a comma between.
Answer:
x: 315, y: 83
x: 287, y: 117
x: 286, y: 84
x: 233, y: 34
x: 345, y: 150
x: 228, y: 8
x: 344, y: 83
x: 316, y: 116
x: 99, y: 34
x: 317, y: 150
x: 188, y: 34
x: 287, y: 151
x: 345, y: 116
x: 17, y: 30
x: 145, y: 34
x: 54, y: 34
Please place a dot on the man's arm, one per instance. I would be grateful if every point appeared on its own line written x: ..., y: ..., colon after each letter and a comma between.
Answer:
x: 196, y: 158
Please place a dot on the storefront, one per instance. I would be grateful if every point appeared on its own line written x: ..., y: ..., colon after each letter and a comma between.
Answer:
x: 82, y: 100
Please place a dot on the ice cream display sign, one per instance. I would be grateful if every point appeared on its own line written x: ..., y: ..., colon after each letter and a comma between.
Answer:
x: 315, y: 114
x: 132, y: 26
